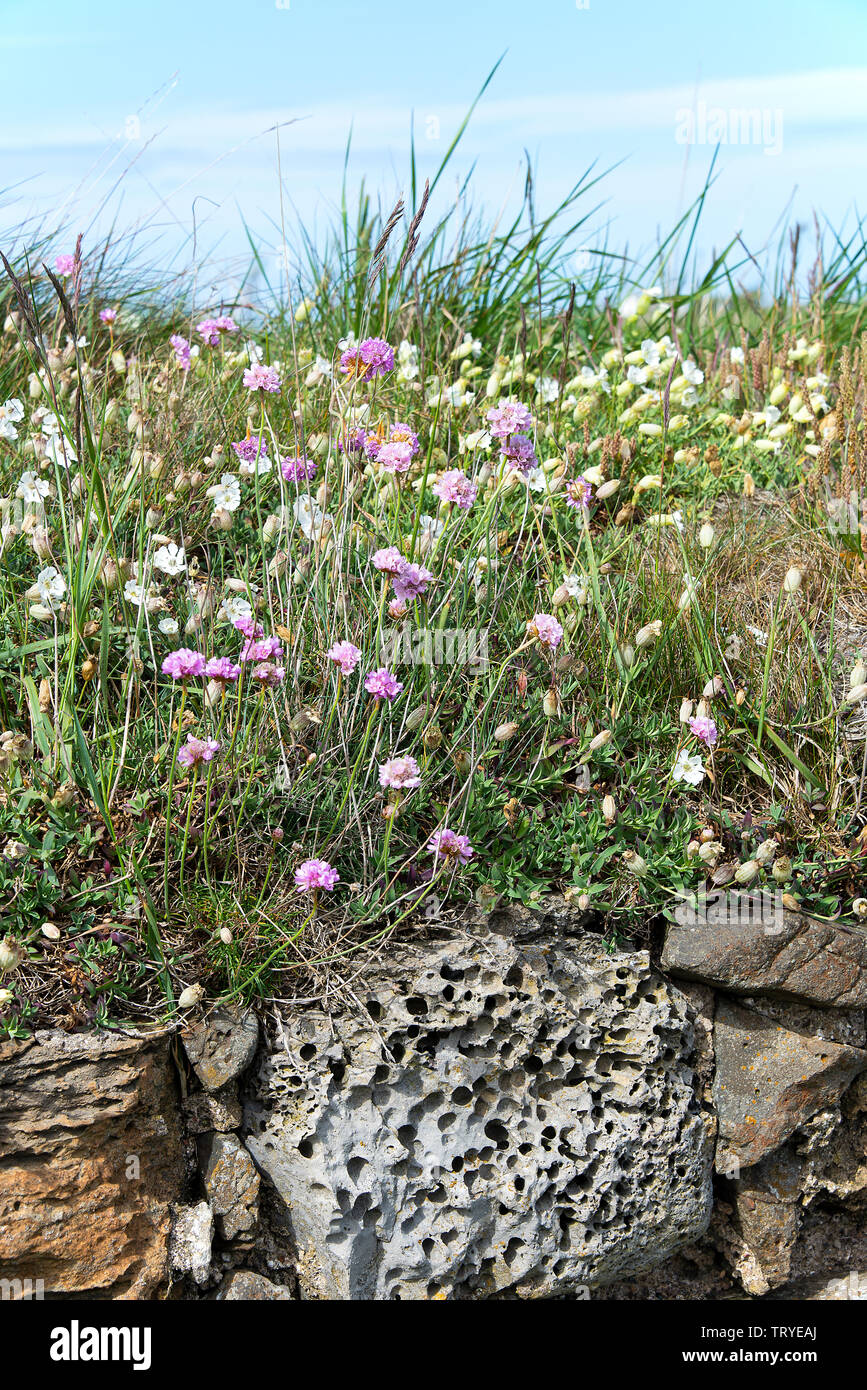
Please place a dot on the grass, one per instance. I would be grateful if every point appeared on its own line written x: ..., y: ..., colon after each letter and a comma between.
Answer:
x: 721, y: 558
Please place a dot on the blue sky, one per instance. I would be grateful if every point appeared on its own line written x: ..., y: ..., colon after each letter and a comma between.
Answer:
x: 158, y: 114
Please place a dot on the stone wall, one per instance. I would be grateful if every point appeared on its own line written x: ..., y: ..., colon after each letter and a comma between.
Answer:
x: 509, y: 1112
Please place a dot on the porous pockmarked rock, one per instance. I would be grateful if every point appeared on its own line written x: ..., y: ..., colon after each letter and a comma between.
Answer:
x: 246, y: 1284
x: 231, y: 1183
x: 222, y: 1045
x: 90, y: 1159
x: 783, y: 954
x: 190, y: 1244
x: 770, y: 1080
x: 503, y: 1114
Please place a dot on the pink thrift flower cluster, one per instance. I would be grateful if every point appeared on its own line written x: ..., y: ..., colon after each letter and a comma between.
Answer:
x: 108, y: 315
x: 519, y: 451
x: 382, y: 684
x: 508, y: 418
x: 454, y: 486
x: 546, y: 630
x: 578, y: 492
x: 447, y: 844
x: 314, y: 874
x: 221, y: 668
x: 184, y: 664
x: 400, y: 773
x: 261, y: 378
x: 211, y: 329
x: 249, y: 450
x: 394, y: 453
x: 409, y: 580
x: 181, y: 350
x: 64, y: 265
x: 373, y: 357
x: 297, y: 469
x: 345, y: 655
x: 197, y: 751
x: 705, y: 729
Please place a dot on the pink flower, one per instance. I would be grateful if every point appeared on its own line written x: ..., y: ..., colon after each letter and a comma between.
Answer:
x: 397, y: 609
x: 261, y: 378
x: 249, y: 627
x: 182, y: 351
x: 518, y: 449
x: 546, y: 630
x: 394, y: 458
x: 183, y: 664
x: 578, y: 492
x: 411, y: 581
x: 389, y: 561
x: 252, y: 449
x: 402, y: 434
x: 64, y: 265
x: 455, y: 486
x: 261, y: 649
x: 509, y: 417
x: 267, y: 674
x: 399, y: 773
x: 704, y: 729
x: 373, y: 357
x: 108, y: 315
x: 197, y: 751
x: 220, y: 668
x: 314, y: 874
x: 450, y: 846
x: 296, y: 469
x: 382, y: 684
x: 210, y: 329
x: 345, y: 655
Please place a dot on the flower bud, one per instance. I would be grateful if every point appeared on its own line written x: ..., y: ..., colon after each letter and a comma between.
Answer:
x: 858, y: 674
x: 792, y: 581
x: 609, y: 809
x: 859, y: 907
x: 504, y: 732
x: 745, y: 873
x: 600, y: 740
x: 858, y: 692
x: 634, y: 863
x: 11, y: 955
x: 766, y: 852
x: 416, y: 718
x: 432, y: 736
x: 647, y: 635
x: 607, y: 489
x: 225, y: 936
x: 190, y: 996
x: 706, y: 536
x: 685, y: 711
x: 221, y: 519
x: 781, y: 869
x: 463, y: 762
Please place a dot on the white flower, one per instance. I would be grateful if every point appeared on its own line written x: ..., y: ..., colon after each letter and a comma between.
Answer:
x: 547, y: 389
x: 10, y: 413
x: 769, y: 416
x: 59, y: 450
x: 637, y: 375
x: 226, y: 493
x: 170, y: 559
x: 49, y: 588
x: 169, y: 626
x: 134, y: 592
x: 254, y: 352
x: 650, y: 352
x: 235, y: 606
x: 737, y: 355
x: 576, y: 587
x: 349, y: 343
x: 760, y: 636
x: 407, y: 360
x: 432, y: 526
x: 319, y: 372
x: 639, y: 301
x: 535, y: 480
x: 688, y: 768
x: 32, y: 489
x: 693, y: 374
x: 589, y: 379
x: 689, y: 397
x: 257, y: 467
x: 309, y: 515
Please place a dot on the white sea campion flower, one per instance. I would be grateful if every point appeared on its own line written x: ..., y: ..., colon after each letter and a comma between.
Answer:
x: 168, y: 626
x: 10, y: 413
x: 32, y: 489
x: 49, y: 588
x: 547, y: 389
x: 226, y: 494
x: 235, y: 606
x: 170, y: 558
x: 688, y: 768
x: 134, y: 592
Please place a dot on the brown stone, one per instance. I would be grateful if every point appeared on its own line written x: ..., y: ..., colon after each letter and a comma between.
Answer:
x: 90, y: 1158
x: 245, y: 1284
x: 769, y: 1081
x: 785, y: 955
